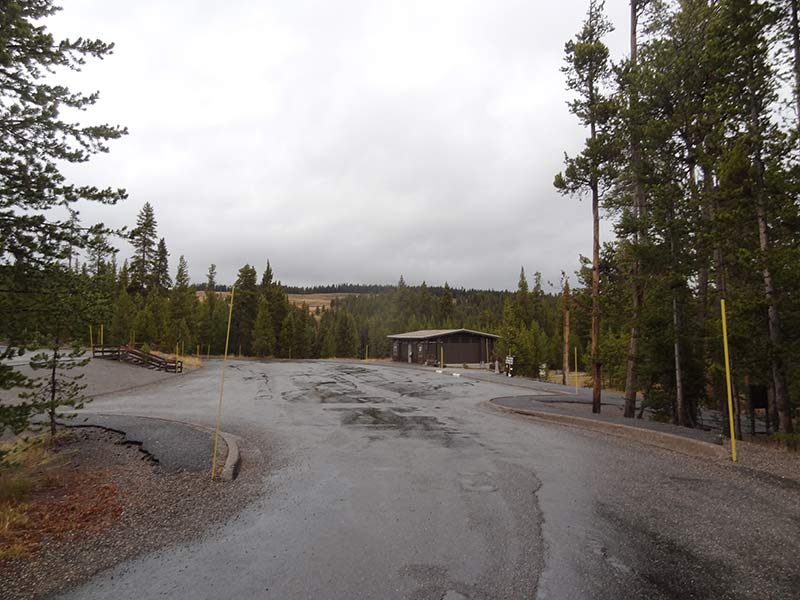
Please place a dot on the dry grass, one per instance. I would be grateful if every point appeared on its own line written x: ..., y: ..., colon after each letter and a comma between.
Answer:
x: 584, y: 379
x: 314, y: 301
x: 43, y: 495
x: 20, y: 473
x: 190, y: 361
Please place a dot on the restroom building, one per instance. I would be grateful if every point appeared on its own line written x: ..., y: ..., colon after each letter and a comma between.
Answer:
x: 457, y: 346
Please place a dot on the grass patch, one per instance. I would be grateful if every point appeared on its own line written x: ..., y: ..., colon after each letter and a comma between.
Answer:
x: 15, y: 550
x: 20, y: 474
x: 190, y: 361
x: 790, y: 441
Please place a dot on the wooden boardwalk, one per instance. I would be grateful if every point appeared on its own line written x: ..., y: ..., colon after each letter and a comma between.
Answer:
x: 137, y: 357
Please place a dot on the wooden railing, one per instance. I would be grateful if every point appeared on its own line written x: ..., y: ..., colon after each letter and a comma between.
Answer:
x: 137, y: 357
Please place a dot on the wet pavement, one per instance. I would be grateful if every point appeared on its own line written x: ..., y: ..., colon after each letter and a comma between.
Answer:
x: 401, y: 483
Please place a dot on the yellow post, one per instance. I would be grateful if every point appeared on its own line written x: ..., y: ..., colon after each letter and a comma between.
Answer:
x: 728, y: 380
x: 102, y: 337
x: 91, y: 338
x: 441, y: 356
x: 221, y: 388
x: 576, y: 370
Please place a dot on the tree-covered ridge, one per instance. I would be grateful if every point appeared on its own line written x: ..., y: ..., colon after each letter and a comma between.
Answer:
x: 141, y: 302
x: 691, y: 152
x: 169, y: 313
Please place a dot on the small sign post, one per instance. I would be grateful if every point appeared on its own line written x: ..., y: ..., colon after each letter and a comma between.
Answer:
x: 509, y: 365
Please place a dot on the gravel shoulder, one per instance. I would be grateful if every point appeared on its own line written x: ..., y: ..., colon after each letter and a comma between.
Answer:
x: 112, y: 503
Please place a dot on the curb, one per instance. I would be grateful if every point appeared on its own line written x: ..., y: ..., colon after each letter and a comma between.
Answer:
x: 233, y: 460
x: 659, y: 439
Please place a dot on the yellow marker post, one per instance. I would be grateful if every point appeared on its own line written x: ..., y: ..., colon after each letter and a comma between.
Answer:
x: 728, y: 380
x: 576, y: 370
x: 102, y: 337
x: 441, y: 357
x: 221, y: 388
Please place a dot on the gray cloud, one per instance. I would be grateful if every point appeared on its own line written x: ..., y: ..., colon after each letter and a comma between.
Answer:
x: 346, y: 141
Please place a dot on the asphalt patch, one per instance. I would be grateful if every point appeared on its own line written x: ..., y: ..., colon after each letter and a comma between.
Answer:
x: 390, y: 419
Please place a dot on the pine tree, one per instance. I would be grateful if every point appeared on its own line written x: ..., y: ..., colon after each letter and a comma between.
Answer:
x: 143, y: 240
x: 445, y: 306
x: 263, y: 334
x: 161, y: 279
x: 124, y: 279
x: 523, y: 302
x: 59, y: 311
x: 58, y: 387
x: 588, y: 71
x: 287, y: 339
x: 182, y: 306
x: 122, y: 322
x: 244, y: 310
x: 37, y: 144
x: 346, y: 335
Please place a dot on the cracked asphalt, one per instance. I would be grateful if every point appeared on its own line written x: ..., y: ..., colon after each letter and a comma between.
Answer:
x: 392, y: 482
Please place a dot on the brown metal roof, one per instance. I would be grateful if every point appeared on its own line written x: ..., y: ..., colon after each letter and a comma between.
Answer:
x: 426, y: 334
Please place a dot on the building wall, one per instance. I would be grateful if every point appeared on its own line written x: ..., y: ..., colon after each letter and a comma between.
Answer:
x: 458, y: 349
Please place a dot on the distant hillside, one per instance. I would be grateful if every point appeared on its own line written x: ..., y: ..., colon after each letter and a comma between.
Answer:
x: 317, y: 300
x: 340, y: 288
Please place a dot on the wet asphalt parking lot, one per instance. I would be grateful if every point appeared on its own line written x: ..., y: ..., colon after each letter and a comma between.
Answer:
x: 393, y: 482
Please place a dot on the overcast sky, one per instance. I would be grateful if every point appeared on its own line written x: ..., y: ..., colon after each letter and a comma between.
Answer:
x: 345, y: 140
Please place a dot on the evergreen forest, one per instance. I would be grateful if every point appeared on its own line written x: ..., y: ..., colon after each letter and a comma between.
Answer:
x: 691, y: 153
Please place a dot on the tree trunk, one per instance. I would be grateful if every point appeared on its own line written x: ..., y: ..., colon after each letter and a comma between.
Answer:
x: 680, y: 398
x: 51, y: 410
x: 596, y: 367
x: 565, y: 370
x: 778, y: 373
x: 631, y: 384
x: 796, y: 48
